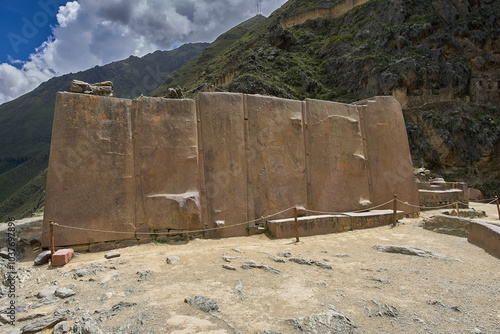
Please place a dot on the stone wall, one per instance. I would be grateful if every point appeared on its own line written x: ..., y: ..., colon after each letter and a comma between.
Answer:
x: 154, y: 164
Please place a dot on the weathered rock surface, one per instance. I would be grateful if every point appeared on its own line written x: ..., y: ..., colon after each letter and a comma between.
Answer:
x: 203, y: 303
x: 448, y: 225
x: 253, y: 264
x: 228, y: 267
x: 47, y: 292
x: 412, y: 250
x: 112, y: 255
x: 101, y: 88
x: 310, y: 262
x: 382, y: 310
x: 329, y: 321
x: 64, y: 293
x: 43, y: 258
x: 144, y: 275
x: 61, y: 328
x: 173, y: 259
x: 38, y: 325
x: 86, y: 325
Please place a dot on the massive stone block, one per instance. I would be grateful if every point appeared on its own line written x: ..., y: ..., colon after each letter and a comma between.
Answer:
x: 166, y: 157
x: 221, y: 160
x: 224, y: 169
x: 90, y: 182
x: 337, y: 169
x: 275, y: 155
x: 388, y: 153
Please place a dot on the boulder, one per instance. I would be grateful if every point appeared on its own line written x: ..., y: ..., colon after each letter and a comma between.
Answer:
x: 43, y: 258
x: 101, y: 88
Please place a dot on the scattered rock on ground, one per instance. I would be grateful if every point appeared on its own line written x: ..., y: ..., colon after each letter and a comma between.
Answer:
x: 277, y: 259
x: 230, y: 258
x: 237, y: 250
x: 112, y: 255
x: 383, y: 310
x: 203, y: 303
x: 47, y: 292
x: 239, y: 290
x: 43, y: 258
x: 329, y: 321
x: 31, y: 316
x: 310, y: 262
x: 381, y: 280
x: 252, y: 264
x: 144, y: 275
x: 228, y: 267
x: 412, y: 250
x: 4, y: 253
x: 40, y: 324
x: 285, y: 254
x: 86, y: 325
x: 64, y: 293
x: 61, y: 328
x: 172, y: 259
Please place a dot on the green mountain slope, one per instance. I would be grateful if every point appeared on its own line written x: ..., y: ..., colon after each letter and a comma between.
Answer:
x: 439, y: 53
x: 198, y: 69
x: 26, y: 122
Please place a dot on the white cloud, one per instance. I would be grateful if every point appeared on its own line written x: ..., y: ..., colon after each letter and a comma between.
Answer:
x: 67, y: 13
x: 95, y: 32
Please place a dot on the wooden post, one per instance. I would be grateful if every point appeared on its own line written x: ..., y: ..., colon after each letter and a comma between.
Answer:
x: 395, y: 211
x: 458, y: 211
x: 51, y: 224
x: 296, y: 225
x: 498, y: 207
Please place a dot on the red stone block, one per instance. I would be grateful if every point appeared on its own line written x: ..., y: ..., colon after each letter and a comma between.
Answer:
x: 62, y: 256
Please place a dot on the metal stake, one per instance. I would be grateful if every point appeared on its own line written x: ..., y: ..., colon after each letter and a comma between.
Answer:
x: 395, y: 212
x: 51, y: 224
x: 296, y: 225
x: 498, y: 207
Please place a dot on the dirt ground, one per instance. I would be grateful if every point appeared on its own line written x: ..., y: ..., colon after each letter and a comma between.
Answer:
x: 424, y: 295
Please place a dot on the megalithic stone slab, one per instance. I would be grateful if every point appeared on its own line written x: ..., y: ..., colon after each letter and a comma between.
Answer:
x: 337, y: 166
x: 388, y: 153
x: 224, y: 162
x: 90, y: 180
x: 275, y: 156
x: 166, y: 153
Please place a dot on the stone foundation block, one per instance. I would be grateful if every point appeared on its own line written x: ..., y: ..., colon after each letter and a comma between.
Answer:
x: 62, y: 256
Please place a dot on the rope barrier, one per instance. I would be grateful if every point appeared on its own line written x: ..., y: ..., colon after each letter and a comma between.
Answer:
x: 176, y: 232
x: 263, y: 218
x: 344, y: 212
x: 489, y: 200
x: 427, y: 207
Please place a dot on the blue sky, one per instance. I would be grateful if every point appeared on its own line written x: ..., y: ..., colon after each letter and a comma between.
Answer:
x: 44, y: 38
x: 25, y: 25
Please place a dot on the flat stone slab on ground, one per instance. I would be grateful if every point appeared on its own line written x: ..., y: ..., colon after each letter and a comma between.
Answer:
x: 64, y: 293
x: 413, y: 250
x: 38, y: 325
x: 47, y: 292
x: 172, y: 259
x: 112, y: 255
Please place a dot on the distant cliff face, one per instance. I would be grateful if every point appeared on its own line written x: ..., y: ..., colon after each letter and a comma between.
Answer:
x: 437, y: 56
x: 459, y: 141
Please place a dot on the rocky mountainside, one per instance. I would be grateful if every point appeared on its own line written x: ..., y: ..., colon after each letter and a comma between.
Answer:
x: 441, y: 54
x: 26, y: 122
